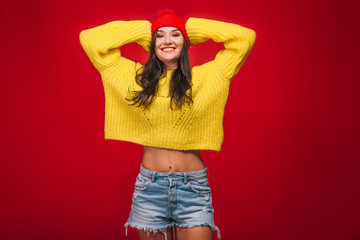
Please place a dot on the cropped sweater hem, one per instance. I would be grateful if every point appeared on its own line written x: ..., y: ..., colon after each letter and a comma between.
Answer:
x: 189, y: 146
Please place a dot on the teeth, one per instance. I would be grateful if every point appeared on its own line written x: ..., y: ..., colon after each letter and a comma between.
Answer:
x: 168, y: 49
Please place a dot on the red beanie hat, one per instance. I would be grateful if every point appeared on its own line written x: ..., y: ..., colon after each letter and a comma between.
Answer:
x: 167, y: 18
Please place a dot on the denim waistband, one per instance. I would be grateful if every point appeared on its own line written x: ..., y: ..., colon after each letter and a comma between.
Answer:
x: 178, y: 175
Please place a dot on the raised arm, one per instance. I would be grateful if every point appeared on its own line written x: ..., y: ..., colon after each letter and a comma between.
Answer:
x: 102, y: 43
x: 238, y: 42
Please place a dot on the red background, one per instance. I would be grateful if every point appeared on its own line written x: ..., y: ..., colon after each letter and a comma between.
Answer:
x: 289, y: 165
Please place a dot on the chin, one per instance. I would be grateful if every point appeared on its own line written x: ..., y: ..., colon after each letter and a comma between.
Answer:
x: 167, y: 58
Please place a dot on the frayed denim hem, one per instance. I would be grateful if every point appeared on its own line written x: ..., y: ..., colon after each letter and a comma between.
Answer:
x: 212, y: 227
x: 148, y: 230
x: 173, y: 224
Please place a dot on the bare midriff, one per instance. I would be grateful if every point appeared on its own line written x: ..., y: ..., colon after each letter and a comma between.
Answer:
x: 171, y: 160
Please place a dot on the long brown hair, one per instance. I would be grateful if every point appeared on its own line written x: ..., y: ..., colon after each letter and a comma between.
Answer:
x: 154, y: 69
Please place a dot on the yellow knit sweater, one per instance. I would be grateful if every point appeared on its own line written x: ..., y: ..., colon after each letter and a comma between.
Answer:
x: 198, y: 126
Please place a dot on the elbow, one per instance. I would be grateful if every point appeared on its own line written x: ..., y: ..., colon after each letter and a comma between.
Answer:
x: 246, y: 41
x: 252, y: 38
x: 86, y: 40
x: 82, y: 37
x: 246, y: 37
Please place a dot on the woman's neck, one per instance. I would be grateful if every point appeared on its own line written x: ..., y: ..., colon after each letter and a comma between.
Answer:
x: 171, y: 66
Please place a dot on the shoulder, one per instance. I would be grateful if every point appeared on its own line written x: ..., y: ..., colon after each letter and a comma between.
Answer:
x: 206, y: 69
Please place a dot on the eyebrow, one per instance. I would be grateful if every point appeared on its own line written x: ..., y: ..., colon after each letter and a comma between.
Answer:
x: 174, y: 30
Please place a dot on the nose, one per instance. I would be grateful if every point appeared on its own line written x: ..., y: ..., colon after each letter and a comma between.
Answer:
x: 167, y: 39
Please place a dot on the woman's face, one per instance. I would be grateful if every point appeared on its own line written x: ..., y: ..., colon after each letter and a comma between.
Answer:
x: 168, y: 45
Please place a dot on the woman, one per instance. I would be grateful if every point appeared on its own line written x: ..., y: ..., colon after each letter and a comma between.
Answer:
x: 171, y: 109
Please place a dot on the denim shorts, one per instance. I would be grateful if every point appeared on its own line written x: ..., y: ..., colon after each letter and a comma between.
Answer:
x: 172, y: 199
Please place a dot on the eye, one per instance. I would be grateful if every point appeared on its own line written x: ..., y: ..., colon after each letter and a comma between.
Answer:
x: 176, y: 35
x: 159, y: 36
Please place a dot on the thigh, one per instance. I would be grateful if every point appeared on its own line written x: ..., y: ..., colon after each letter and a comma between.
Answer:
x: 195, y: 214
x: 149, y: 205
x: 149, y: 209
x: 194, y: 204
x: 194, y: 233
x: 144, y: 235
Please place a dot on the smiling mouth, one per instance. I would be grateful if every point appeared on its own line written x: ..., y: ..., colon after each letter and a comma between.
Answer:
x: 168, y: 49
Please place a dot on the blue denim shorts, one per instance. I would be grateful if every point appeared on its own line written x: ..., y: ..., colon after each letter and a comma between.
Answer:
x: 173, y: 199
